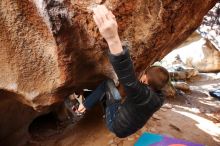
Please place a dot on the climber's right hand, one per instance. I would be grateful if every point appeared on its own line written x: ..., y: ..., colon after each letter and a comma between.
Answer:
x: 108, y: 28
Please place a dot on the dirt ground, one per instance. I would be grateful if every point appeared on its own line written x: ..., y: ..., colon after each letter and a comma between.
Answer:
x: 194, y: 116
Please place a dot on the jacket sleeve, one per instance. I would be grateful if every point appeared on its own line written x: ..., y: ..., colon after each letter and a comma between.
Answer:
x: 124, y: 69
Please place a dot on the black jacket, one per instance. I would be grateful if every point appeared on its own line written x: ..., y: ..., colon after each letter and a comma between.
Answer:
x: 141, y: 101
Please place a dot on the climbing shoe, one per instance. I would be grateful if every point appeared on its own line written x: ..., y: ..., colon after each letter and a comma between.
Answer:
x: 72, y: 104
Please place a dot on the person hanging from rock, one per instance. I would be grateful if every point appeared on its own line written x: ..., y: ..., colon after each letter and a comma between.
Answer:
x: 143, y: 98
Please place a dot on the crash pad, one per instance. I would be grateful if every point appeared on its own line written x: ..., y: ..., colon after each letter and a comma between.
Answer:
x: 150, y: 139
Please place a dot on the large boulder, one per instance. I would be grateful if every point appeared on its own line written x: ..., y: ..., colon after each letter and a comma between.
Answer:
x: 51, y: 48
x: 200, y: 54
x: 15, y: 119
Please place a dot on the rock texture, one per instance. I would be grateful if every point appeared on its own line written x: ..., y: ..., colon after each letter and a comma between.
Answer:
x: 181, y: 72
x: 209, y: 60
x: 201, y: 54
x: 210, y: 27
x: 15, y: 119
x: 50, y: 48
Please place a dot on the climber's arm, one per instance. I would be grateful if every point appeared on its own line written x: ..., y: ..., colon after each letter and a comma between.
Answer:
x: 108, y: 28
x: 119, y: 57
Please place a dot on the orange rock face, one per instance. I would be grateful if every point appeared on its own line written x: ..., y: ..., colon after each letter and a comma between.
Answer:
x: 50, y: 48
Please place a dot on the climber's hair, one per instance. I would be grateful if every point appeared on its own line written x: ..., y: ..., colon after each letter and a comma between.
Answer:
x: 158, y: 77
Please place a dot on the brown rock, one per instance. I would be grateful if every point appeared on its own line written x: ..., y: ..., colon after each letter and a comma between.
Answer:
x: 167, y: 106
x: 117, y: 140
x: 153, y: 130
x: 209, y: 60
x: 175, y: 127
x: 15, y: 119
x: 49, y: 49
x: 163, y: 109
x: 181, y: 86
x: 156, y: 117
x: 142, y: 130
x: 182, y: 72
x: 206, y: 58
x: 130, y: 138
x: 111, y: 142
x: 169, y: 91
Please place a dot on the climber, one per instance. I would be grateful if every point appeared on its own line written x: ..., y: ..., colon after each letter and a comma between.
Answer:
x: 143, y: 98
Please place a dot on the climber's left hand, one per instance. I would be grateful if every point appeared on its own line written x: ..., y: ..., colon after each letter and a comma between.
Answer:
x: 108, y: 28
